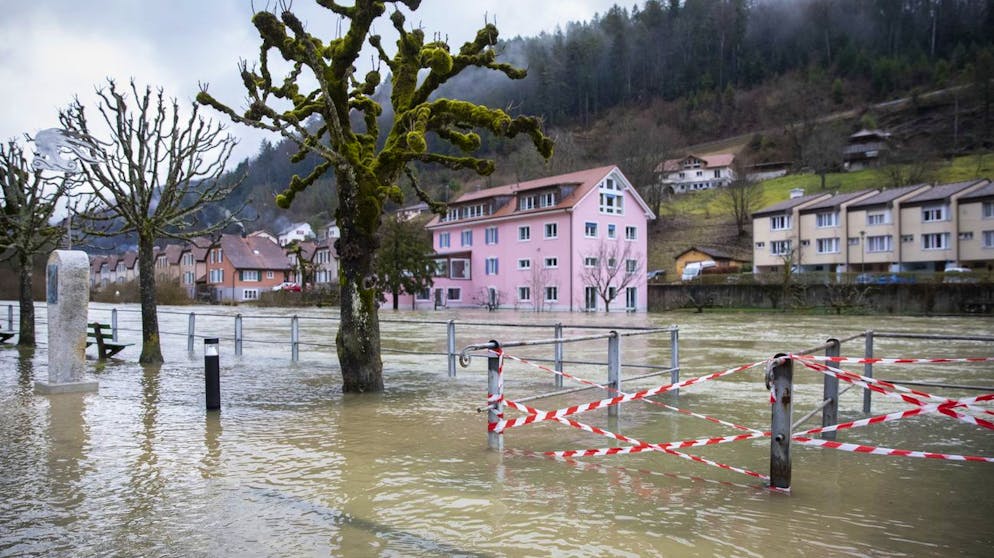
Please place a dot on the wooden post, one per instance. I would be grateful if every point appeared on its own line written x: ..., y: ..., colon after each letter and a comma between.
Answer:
x: 113, y: 324
x: 294, y: 339
x: 191, y: 327
x: 781, y: 379
x: 675, y: 359
x: 238, y: 334
x: 614, y: 370
x: 450, y: 333
x: 830, y: 412
x: 868, y: 370
x: 495, y: 392
x: 558, y: 355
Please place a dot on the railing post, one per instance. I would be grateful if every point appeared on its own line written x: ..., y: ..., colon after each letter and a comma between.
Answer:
x: 113, y: 324
x: 294, y: 338
x: 830, y: 412
x: 495, y: 398
x: 450, y: 336
x: 675, y: 358
x: 868, y: 369
x: 10, y: 317
x: 191, y: 327
x: 614, y: 370
x: 780, y: 379
x: 558, y: 354
x: 238, y: 334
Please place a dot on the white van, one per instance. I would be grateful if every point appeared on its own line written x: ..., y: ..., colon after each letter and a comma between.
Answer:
x: 693, y: 270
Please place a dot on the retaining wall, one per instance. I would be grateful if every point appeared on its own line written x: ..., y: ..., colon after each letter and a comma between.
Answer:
x: 963, y: 298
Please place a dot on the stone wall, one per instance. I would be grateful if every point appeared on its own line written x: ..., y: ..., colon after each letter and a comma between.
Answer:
x: 960, y: 298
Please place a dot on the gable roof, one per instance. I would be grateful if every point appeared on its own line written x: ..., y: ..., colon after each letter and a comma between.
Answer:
x: 710, y: 161
x: 986, y: 191
x: 887, y: 196
x: 253, y: 252
x: 941, y: 192
x: 715, y: 253
x: 789, y: 204
x: 836, y: 200
x: 583, y: 182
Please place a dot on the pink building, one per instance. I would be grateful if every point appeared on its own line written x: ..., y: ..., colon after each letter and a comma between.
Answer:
x: 570, y: 242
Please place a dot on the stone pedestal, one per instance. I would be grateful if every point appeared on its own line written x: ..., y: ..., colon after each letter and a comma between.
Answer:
x: 68, y: 296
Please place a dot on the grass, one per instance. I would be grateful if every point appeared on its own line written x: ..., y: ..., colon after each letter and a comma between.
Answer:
x: 701, y: 219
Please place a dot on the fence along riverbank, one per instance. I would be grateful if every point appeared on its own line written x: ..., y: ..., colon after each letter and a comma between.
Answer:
x: 778, y: 380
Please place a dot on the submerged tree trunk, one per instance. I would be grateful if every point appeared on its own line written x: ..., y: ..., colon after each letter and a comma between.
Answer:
x: 151, y: 351
x: 358, y: 339
x: 26, y: 327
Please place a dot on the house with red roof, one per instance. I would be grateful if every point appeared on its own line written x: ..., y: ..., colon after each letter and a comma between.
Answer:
x: 554, y: 243
x: 241, y: 268
x: 693, y: 173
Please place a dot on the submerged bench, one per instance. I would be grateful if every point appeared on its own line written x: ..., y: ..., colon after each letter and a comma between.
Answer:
x: 6, y: 334
x: 101, y: 335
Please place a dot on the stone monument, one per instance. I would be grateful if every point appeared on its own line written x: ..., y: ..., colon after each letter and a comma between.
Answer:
x: 68, y: 296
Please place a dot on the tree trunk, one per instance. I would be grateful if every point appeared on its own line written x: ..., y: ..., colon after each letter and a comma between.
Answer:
x: 151, y: 351
x: 26, y: 327
x: 358, y: 339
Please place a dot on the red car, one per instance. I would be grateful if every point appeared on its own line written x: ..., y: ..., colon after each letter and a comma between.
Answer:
x: 287, y: 286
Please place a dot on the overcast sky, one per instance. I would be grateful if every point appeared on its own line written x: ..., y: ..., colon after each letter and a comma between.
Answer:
x: 53, y: 50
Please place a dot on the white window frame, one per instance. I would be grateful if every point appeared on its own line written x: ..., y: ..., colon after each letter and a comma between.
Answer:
x: 878, y: 218
x: 453, y: 290
x: 524, y: 233
x: 935, y: 241
x: 612, y: 231
x: 590, y: 262
x: 552, y: 293
x: 988, y: 239
x: 491, y: 266
x: 524, y: 293
x: 987, y: 210
x: 781, y: 222
x: 631, y: 266
x: 524, y: 264
x: 780, y: 247
x: 188, y: 278
x: 827, y: 245
x: 590, y: 296
x: 270, y: 275
x: 251, y: 275
x: 631, y: 298
x: 827, y: 219
x: 879, y: 243
x: 216, y: 275
x: 467, y: 268
x: 935, y: 213
x: 466, y: 237
x: 444, y: 240
x: 548, y: 199
x: 590, y: 229
x: 631, y: 232
x: 552, y: 262
x: 611, y: 203
x: 527, y: 202
x: 490, y: 236
x: 552, y: 228
x: 250, y: 294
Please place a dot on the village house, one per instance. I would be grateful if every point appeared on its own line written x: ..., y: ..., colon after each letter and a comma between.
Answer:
x: 167, y: 262
x: 864, y: 149
x: 296, y: 231
x: 325, y: 263
x: 545, y: 244
x: 240, y: 268
x: 696, y: 172
x: 724, y: 261
x: 193, y: 266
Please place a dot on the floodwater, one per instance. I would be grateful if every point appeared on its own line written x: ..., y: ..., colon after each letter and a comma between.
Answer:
x: 290, y: 466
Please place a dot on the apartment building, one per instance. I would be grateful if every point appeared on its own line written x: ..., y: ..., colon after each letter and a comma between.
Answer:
x: 776, y: 232
x: 240, y: 268
x: 553, y: 243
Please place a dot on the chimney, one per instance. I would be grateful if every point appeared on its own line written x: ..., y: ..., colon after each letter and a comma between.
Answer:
x: 796, y: 193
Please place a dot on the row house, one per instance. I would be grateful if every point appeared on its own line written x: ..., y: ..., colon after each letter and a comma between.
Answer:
x: 696, y: 172
x: 113, y: 269
x: 167, y: 262
x: 193, y: 266
x: 240, y: 268
x: 548, y: 244
x: 914, y: 228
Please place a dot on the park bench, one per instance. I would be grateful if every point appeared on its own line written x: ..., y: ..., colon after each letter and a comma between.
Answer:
x: 6, y: 334
x: 101, y: 335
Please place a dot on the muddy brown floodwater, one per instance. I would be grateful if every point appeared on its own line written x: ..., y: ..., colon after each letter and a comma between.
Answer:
x: 292, y: 467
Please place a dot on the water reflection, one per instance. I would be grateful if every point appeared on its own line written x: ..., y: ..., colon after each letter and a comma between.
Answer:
x: 211, y: 463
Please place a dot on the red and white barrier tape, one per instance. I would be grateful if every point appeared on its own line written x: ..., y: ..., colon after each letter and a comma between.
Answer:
x: 876, y: 450
x: 613, y: 390
x: 870, y: 360
x: 553, y: 415
x: 945, y: 404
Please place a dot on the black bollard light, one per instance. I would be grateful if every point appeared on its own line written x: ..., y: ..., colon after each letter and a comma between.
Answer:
x: 212, y: 373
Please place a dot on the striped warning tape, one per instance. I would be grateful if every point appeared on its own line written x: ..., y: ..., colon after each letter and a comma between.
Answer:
x: 870, y: 360
x: 876, y: 450
x: 623, y: 398
x: 610, y: 389
x: 945, y: 407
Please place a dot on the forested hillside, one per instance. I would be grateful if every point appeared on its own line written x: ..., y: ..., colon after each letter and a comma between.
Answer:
x: 636, y: 85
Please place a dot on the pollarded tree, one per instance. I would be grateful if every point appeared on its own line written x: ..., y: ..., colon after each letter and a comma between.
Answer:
x: 367, y: 171
x: 161, y: 169
x: 27, y: 206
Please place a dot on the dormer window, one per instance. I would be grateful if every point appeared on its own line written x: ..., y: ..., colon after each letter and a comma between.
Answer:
x: 527, y: 202
x: 547, y: 199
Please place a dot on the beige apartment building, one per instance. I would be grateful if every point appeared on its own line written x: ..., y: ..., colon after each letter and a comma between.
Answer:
x: 914, y: 228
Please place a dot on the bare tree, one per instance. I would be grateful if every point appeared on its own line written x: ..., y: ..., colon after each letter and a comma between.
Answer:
x: 538, y: 280
x: 28, y: 205
x: 741, y: 197
x: 610, y: 268
x: 345, y: 135
x: 159, y: 173
x: 640, y: 146
x: 823, y: 150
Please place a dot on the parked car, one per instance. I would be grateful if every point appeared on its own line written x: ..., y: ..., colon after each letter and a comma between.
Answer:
x: 288, y: 286
x: 656, y: 274
x: 885, y: 279
x: 694, y: 270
